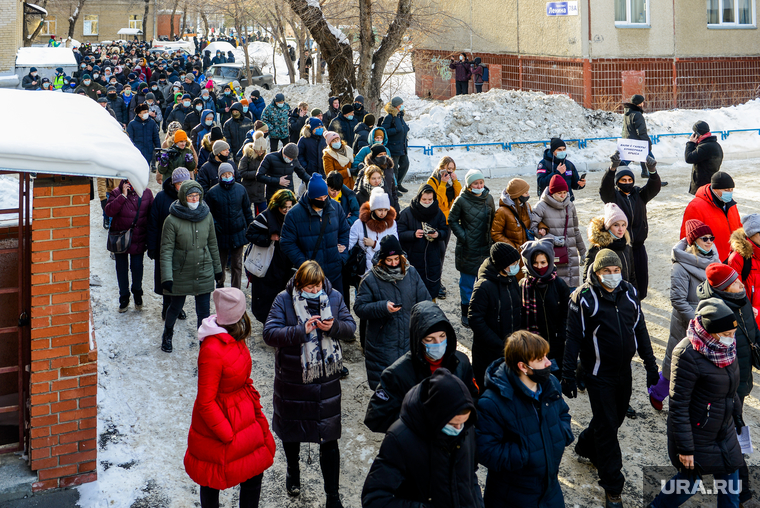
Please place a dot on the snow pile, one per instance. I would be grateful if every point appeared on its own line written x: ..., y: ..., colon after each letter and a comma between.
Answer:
x: 314, y: 95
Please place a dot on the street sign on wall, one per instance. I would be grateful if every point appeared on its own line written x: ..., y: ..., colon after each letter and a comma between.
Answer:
x: 562, y: 8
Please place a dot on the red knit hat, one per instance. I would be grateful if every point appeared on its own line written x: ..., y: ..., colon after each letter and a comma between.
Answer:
x: 557, y: 184
x: 720, y: 276
x: 696, y: 228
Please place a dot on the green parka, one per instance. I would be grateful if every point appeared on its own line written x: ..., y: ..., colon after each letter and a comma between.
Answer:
x: 189, y: 253
x: 470, y: 220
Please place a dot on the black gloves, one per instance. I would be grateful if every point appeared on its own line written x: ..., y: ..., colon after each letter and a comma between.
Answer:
x: 615, y: 160
x: 651, y: 164
x: 569, y: 388
x: 739, y: 423
x: 653, y: 377
x: 167, y: 286
x: 218, y: 276
x: 103, y: 204
x: 152, y: 254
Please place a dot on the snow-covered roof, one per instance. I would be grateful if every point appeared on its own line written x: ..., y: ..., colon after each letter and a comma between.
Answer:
x: 37, y: 8
x: 222, y: 46
x: 129, y: 31
x: 45, y: 57
x: 67, y: 134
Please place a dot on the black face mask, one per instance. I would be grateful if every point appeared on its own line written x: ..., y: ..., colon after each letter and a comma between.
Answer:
x: 625, y: 187
x: 223, y: 158
x: 540, y: 376
x: 317, y: 203
x: 524, y: 199
x: 381, y: 159
x: 111, y: 96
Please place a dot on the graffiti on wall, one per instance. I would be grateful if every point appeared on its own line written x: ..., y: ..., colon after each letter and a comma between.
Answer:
x: 441, y: 66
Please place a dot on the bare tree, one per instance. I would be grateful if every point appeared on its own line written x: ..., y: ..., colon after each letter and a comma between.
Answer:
x: 171, y: 19
x: 74, y: 17
x: 204, y: 17
x: 145, y: 20
x: 239, y: 12
x: 275, y: 18
x: 29, y: 38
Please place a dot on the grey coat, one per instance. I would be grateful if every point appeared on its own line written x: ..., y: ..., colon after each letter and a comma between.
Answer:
x: 686, y: 274
x: 552, y: 213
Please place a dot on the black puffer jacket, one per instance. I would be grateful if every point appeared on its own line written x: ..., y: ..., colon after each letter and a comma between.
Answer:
x: 231, y: 210
x: 361, y: 136
x: 703, y: 402
x: 273, y: 167
x: 419, y: 466
x: 634, y: 125
x: 159, y: 211
x: 235, y: 130
x: 424, y: 255
x: 387, y: 333
x: 706, y: 158
x: 208, y: 175
x: 495, y: 313
x: 412, y: 368
x: 634, y: 205
x: 344, y: 127
x: 470, y: 220
x: 304, y: 413
x: 746, y: 332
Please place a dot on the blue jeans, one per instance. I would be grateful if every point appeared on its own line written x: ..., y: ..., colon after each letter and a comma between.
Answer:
x: 728, y: 497
x: 466, y: 284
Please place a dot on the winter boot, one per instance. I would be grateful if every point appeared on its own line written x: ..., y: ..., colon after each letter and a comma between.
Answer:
x: 123, y: 304
x: 182, y: 315
x: 138, y: 300
x: 344, y: 372
x: 166, y: 341
x: 293, y: 481
x: 612, y: 501
x: 333, y: 501
x: 442, y: 292
x: 644, y: 173
x: 465, y: 320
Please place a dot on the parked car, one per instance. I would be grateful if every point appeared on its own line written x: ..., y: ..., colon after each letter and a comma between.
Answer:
x: 227, y: 73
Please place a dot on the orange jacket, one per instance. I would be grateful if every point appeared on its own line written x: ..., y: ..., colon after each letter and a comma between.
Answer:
x: 331, y: 163
x: 440, y: 190
x: 704, y: 208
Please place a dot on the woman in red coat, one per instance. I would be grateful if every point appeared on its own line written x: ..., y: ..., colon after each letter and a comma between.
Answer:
x: 714, y: 205
x: 229, y: 441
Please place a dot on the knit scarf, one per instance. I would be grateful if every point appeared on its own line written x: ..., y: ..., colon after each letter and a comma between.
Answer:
x: 320, y: 355
x: 341, y: 155
x: 529, y: 305
x: 184, y: 212
x: 704, y: 343
x: 387, y: 274
x: 368, y: 188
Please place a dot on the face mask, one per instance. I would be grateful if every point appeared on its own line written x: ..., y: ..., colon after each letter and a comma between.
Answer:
x: 524, y: 199
x: 287, y: 160
x: 450, y: 430
x: 318, y: 131
x: 613, y: 235
x: 625, y: 187
x: 542, y: 271
x: 226, y: 92
x: 193, y: 206
x: 96, y: 75
x: 380, y: 140
x: 726, y: 197
x: 154, y: 87
x: 426, y: 205
x: 703, y: 251
x: 561, y: 155
x: 350, y: 117
x: 513, y: 269
x: 337, y: 145
x: 540, y: 375
x: 381, y: 159
x: 205, y: 96
x: 228, y: 179
x: 144, y: 116
x: 312, y: 296
x: 401, y: 108
x: 726, y: 340
x: 222, y: 157
x: 245, y: 109
x: 127, y: 92
x: 73, y: 85
x: 461, y: 58
x: 34, y: 74
x: 612, y: 280
x: 112, y: 96
x: 209, y: 122
x: 280, y: 104
x: 87, y: 82
x: 199, y: 108
x: 317, y: 203
x: 435, y: 351
x: 186, y: 104
x: 478, y: 191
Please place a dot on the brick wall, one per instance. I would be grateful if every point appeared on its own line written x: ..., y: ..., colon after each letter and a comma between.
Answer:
x: 11, y: 33
x: 63, y: 428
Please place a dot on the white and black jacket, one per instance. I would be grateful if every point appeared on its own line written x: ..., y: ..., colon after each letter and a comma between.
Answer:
x: 607, y: 329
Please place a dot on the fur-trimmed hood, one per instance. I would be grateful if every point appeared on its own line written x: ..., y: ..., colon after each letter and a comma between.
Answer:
x: 741, y: 244
x: 374, y: 225
x: 306, y: 130
x: 206, y: 142
x: 391, y: 110
x: 248, y: 147
x: 599, y: 236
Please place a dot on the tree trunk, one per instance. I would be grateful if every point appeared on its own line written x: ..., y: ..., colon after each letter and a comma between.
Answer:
x: 318, y: 65
x: 29, y: 38
x: 337, y: 51
x: 239, y: 23
x: 74, y: 17
x: 279, y: 35
x: 171, y: 19
x: 274, y: 65
x: 145, y: 19
x: 183, y: 29
x: 366, y: 46
x: 303, y: 53
x: 205, y: 23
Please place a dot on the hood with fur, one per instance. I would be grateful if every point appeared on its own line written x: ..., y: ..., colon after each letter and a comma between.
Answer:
x: 741, y: 244
x: 391, y: 110
x: 599, y: 236
x: 374, y: 225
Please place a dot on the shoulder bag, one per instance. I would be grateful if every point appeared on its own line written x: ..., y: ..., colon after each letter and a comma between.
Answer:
x: 561, y: 254
x: 119, y: 242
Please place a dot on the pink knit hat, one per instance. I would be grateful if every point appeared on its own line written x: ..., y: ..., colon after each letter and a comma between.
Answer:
x: 613, y: 214
x: 230, y: 305
x: 330, y: 135
x: 210, y: 84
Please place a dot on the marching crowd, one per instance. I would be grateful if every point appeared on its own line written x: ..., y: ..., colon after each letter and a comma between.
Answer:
x: 554, y: 305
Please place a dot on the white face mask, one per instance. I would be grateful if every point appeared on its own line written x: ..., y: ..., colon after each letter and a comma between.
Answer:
x: 144, y: 116
x: 426, y: 205
x: 612, y: 280
x: 726, y: 340
x: 288, y: 160
x: 193, y: 206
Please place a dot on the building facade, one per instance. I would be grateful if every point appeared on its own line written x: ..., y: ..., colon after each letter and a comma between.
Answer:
x: 11, y: 33
x: 599, y: 52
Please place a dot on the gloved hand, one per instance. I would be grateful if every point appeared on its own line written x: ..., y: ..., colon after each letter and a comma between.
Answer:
x: 167, y: 286
x: 559, y: 241
x: 615, y: 160
x: 188, y: 158
x: 651, y: 164
x: 569, y: 388
x: 103, y: 204
x: 653, y: 377
x: 218, y: 276
x: 163, y: 159
x: 739, y: 424
x: 152, y: 254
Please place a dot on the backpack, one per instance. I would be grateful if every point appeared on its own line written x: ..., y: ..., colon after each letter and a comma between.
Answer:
x: 486, y: 74
x: 746, y: 267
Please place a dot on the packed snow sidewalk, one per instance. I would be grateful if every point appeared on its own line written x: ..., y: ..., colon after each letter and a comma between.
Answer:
x: 145, y: 396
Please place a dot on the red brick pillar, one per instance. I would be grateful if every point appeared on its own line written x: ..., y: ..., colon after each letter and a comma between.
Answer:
x: 494, y: 77
x: 63, y: 428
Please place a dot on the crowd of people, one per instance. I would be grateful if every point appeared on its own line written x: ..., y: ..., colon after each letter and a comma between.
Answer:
x: 554, y: 305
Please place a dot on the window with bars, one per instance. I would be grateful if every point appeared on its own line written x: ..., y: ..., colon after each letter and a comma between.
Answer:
x: 632, y: 12
x: 730, y: 13
x: 135, y: 22
x: 90, y: 24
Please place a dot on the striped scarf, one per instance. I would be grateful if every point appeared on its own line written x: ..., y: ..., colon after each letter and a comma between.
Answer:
x: 719, y: 354
x: 529, y: 305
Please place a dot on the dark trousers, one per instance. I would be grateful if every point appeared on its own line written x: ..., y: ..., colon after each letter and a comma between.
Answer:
x: 126, y: 263
x: 274, y: 143
x: 202, y: 309
x: 478, y: 87
x: 462, y: 87
x: 609, y: 400
x: 400, y: 167
x: 250, y: 492
x: 641, y: 265
x: 236, y: 266
x: 329, y: 462
x: 337, y: 284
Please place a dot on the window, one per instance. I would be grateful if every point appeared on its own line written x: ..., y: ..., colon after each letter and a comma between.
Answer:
x: 135, y: 22
x: 48, y: 26
x: 730, y: 13
x: 632, y: 12
x: 90, y: 25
